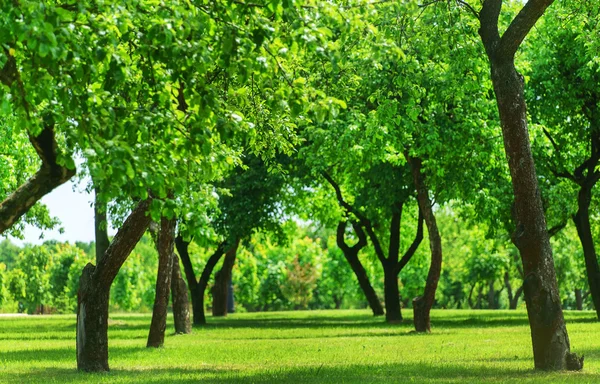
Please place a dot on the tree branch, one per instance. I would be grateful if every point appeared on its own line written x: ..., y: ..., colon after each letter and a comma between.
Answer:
x: 413, y: 247
x: 520, y: 26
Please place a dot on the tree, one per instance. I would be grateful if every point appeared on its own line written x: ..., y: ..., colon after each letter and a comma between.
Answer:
x: 565, y: 101
x: 551, y: 348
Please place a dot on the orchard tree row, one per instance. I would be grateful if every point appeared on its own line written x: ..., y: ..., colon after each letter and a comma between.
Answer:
x: 208, y: 122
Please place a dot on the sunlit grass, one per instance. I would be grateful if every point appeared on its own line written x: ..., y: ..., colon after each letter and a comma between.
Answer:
x: 308, y: 347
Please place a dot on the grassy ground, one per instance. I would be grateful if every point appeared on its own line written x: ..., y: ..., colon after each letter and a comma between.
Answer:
x: 299, y: 347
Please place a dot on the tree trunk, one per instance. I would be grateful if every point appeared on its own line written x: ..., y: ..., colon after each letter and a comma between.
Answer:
x: 156, y: 336
x: 422, y: 304
x: 198, y: 289
x: 584, y: 230
x: 94, y: 292
x: 491, y: 295
x: 365, y: 284
x: 551, y: 347
x: 179, y: 297
x: 578, y: 300
x: 391, y: 292
x: 351, y: 255
x: 222, y: 277
x: 100, y: 226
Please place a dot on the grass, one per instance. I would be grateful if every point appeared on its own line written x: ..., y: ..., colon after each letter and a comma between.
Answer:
x: 299, y: 347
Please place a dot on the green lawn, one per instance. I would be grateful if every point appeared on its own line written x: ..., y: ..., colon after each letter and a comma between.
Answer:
x: 309, y: 347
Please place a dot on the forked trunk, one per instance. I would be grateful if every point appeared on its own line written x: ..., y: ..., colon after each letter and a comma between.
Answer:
x: 94, y: 292
x: 156, y: 336
x: 179, y: 297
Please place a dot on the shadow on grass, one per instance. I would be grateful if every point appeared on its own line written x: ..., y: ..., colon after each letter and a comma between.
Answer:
x: 366, y: 373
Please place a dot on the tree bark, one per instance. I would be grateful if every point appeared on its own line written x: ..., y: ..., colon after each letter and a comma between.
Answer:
x: 100, y: 226
x: 198, y: 287
x: 551, y: 347
x: 222, y: 277
x: 49, y: 176
x: 179, y: 297
x: 584, y: 231
x: 351, y: 255
x: 422, y: 304
x: 156, y: 336
x: 94, y: 292
x: 391, y: 293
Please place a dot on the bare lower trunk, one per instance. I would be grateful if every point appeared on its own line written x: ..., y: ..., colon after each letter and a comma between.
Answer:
x: 584, y: 230
x: 179, y: 297
x: 222, y: 278
x: 156, y: 336
x: 422, y: 304
x: 94, y: 291
x: 391, y: 292
x: 92, y: 324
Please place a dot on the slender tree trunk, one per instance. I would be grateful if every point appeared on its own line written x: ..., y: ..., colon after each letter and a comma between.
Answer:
x: 100, y: 226
x: 491, y: 295
x: 479, y: 297
x: 351, y: 256
x: 179, y: 297
x: 584, y: 230
x: 513, y: 298
x: 197, y: 288
x: 391, y: 292
x: 422, y: 304
x: 219, y: 291
x: 578, y: 300
x: 156, y: 336
x: 365, y: 284
x: 94, y: 292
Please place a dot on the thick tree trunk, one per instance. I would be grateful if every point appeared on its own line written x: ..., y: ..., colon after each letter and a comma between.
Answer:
x: 219, y: 290
x: 422, y: 304
x: 94, y: 292
x: 351, y: 255
x: 584, y: 230
x: 156, y: 336
x: 100, y: 226
x: 391, y: 293
x: 179, y: 297
x: 551, y: 347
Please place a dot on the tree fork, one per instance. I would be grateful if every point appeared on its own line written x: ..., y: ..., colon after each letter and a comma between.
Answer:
x: 94, y: 292
x: 551, y: 347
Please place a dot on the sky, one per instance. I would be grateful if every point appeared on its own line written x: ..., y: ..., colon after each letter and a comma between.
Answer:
x: 72, y: 206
